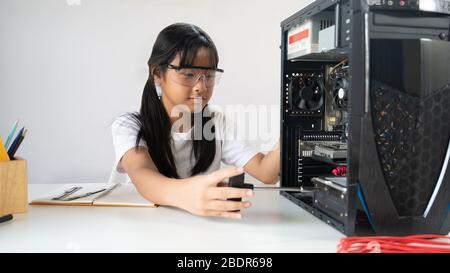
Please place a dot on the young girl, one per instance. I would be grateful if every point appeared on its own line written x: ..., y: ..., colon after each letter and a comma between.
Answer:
x: 177, y: 167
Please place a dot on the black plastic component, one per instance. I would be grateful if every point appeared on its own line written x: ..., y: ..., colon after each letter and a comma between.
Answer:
x: 238, y: 182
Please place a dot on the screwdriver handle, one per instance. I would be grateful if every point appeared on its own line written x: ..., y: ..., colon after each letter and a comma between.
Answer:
x: 238, y: 182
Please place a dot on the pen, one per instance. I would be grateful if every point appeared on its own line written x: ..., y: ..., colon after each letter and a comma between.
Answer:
x: 11, y: 134
x: 16, y: 146
x: 6, y: 218
x: 83, y: 195
x: 67, y: 193
x: 108, y: 190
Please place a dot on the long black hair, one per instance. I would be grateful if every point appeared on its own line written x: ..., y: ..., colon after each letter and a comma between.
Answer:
x: 153, y: 120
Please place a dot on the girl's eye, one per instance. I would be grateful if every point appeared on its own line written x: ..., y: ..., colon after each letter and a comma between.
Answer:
x: 189, y: 75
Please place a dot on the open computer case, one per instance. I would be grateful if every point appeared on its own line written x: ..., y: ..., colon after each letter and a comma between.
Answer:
x: 365, y: 114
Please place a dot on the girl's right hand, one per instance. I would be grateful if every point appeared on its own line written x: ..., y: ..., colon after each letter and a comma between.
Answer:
x: 202, y: 195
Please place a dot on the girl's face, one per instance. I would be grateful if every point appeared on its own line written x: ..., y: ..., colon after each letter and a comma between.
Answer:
x: 175, y: 93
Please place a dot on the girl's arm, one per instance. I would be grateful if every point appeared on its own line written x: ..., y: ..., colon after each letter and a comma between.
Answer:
x: 199, y: 195
x: 145, y: 176
x: 265, y: 168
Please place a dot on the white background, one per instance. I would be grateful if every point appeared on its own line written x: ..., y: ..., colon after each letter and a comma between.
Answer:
x: 69, y: 67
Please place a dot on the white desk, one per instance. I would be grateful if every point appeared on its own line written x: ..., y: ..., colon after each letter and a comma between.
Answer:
x: 272, y: 224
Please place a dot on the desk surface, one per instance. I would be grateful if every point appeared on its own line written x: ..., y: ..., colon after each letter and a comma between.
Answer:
x: 272, y: 224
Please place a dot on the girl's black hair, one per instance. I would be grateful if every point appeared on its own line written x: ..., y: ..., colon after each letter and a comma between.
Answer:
x: 153, y: 120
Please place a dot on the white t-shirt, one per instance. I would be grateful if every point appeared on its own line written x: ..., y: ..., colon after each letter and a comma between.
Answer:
x: 228, y: 150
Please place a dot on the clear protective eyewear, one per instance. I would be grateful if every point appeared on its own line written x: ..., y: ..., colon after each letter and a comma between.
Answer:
x: 189, y: 76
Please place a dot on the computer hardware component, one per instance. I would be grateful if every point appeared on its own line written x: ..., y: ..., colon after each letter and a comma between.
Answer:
x: 303, y: 38
x: 307, y: 92
x: 438, y: 6
x: 327, y: 39
x: 379, y: 117
x: 331, y: 149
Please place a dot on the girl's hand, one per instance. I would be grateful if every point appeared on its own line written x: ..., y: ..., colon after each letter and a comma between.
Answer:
x: 203, y: 195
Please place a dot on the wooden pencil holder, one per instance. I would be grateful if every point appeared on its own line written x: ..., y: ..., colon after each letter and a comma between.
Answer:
x: 13, y: 186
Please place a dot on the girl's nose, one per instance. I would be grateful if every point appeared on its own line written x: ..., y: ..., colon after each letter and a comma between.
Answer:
x: 200, y: 85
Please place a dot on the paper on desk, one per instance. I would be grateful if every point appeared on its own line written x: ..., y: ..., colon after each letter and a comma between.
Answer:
x: 123, y: 195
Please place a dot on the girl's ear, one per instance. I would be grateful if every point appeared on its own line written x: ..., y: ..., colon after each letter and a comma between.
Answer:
x: 157, y: 80
x: 156, y: 74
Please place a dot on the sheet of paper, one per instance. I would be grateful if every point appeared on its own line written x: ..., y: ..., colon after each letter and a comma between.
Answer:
x: 85, y: 188
x: 124, y: 195
x: 121, y: 195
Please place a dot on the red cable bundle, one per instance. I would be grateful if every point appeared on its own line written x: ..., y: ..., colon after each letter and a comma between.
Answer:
x: 427, y: 243
x: 339, y: 171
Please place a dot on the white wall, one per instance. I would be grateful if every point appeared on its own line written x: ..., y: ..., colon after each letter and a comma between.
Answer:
x: 68, y: 67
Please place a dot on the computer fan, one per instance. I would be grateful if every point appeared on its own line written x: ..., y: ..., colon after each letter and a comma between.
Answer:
x: 340, y: 93
x: 307, y: 92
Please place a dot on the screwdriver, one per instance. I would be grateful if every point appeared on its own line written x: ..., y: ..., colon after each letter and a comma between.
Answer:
x: 238, y: 182
x: 299, y: 189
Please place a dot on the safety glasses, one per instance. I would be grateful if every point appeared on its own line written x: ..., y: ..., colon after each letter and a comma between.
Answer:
x: 189, y: 76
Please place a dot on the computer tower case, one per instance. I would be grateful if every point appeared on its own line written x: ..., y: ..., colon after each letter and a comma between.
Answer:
x: 365, y: 114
